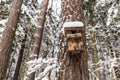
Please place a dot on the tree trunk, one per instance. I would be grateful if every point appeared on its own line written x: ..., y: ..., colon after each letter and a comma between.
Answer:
x: 73, y: 67
x: 38, y: 34
x: 15, y: 77
x: 8, y: 36
x: 95, y: 53
x: 96, y: 59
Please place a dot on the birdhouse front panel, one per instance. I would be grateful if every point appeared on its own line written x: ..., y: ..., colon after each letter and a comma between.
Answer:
x: 74, y: 34
x: 75, y: 44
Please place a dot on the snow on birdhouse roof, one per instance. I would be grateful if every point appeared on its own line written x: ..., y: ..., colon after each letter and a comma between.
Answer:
x: 73, y: 24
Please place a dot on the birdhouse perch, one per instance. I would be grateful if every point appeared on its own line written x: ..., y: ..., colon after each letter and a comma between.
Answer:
x: 73, y: 31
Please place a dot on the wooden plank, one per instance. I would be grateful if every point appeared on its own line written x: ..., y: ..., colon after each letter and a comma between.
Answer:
x: 74, y: 35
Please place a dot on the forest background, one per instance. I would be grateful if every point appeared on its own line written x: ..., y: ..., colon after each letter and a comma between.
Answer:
x: 102, y: 21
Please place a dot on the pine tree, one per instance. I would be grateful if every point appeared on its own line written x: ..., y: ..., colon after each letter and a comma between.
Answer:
x: 8, y: 36
x: 38, y: 34
x: 73, y: 67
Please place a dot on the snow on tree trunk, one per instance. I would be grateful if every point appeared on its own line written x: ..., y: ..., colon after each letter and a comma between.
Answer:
x: 73, y: 67
x: 38, y: 34
x: 8, y: 36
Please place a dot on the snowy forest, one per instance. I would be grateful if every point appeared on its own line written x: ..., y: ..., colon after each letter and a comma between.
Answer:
x: 59, y: 39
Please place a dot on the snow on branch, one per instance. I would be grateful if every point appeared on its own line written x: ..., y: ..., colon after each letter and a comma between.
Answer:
x: 3, y: 1
x: 39, y: 1
x: 35, y: 64
x: 46, y: 71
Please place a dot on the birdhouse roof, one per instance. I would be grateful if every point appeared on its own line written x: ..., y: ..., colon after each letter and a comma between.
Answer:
x: 73, y: 24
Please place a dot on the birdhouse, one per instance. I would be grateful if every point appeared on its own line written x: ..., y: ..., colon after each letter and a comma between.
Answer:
x: 73, y: 31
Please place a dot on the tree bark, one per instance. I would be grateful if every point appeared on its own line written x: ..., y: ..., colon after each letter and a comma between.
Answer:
x: 8, y: 36
x: 73, y: 67
x: 38, y: 34
x: 15, y: 77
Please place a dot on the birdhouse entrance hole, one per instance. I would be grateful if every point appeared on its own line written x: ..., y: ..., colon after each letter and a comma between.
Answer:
x: 73, y: 32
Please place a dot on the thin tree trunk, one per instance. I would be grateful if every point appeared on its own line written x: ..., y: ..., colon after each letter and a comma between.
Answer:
x: 95, y: 53
x: 20, y: 59
x: 38, y: 34
x: 8, y: 36
x: 96, y: 59
x: 73, y: 67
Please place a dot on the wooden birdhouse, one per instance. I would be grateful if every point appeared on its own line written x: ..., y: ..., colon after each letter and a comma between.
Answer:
x: 73, y: 31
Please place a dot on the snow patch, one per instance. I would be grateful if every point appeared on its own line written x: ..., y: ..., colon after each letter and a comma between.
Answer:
x: 39, y: 1
x: 118, y: 25
x: 39, y: 27
x: 3, y: 21
x: 3, y: 1
x: 36, y: 35
x: 73, y: 24
x: 1, y: 29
